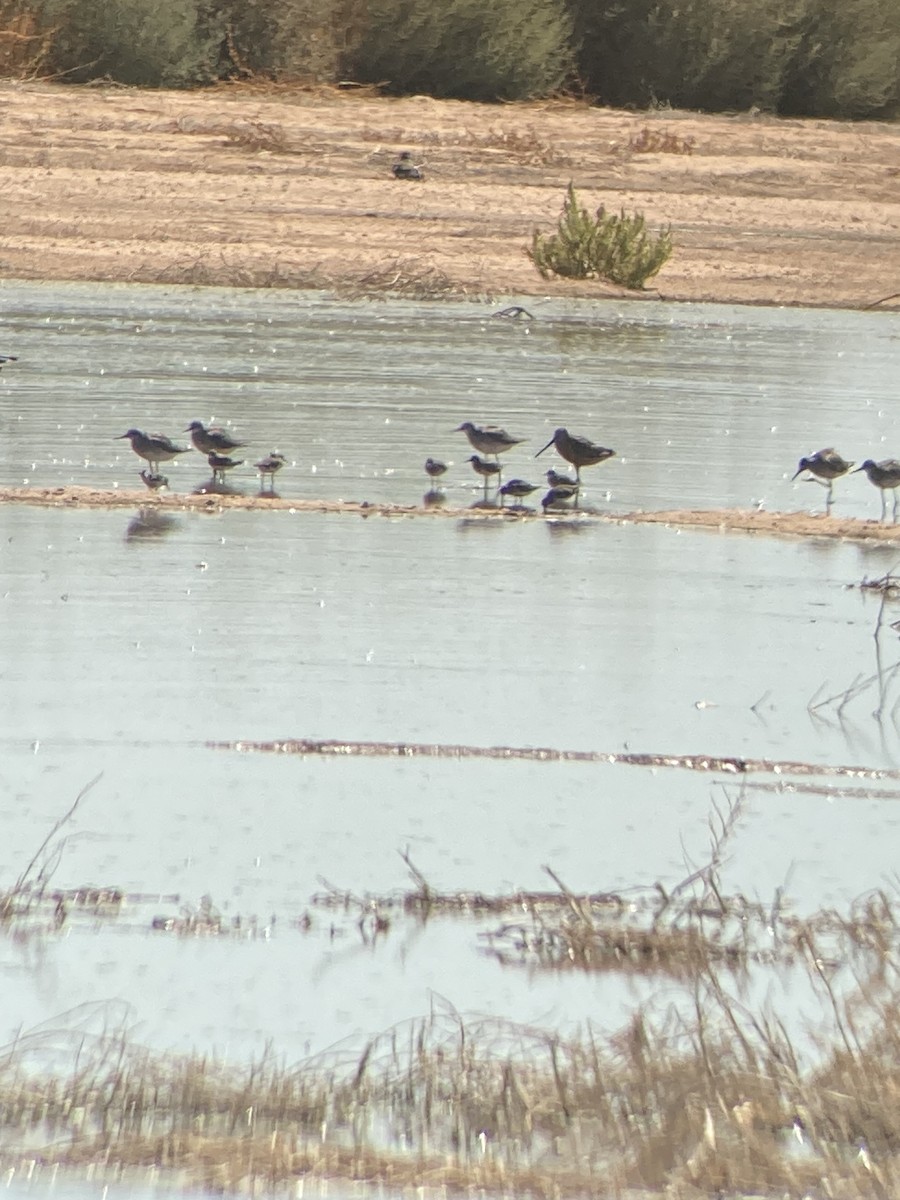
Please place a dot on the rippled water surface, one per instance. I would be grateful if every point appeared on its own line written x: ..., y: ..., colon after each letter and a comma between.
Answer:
x: 128, y: 642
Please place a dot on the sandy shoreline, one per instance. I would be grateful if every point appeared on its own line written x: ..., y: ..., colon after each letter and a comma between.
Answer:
x: 243, y: 187
x: 722, y: 520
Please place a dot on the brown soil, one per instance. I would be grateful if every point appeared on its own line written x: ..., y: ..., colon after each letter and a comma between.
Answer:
x: 244, y: 186
x: 719, y: 519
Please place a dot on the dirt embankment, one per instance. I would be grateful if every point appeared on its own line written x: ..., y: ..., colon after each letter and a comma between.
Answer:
x: 240, y: 187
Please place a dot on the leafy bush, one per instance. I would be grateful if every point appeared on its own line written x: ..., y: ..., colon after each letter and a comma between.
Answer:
x: 609, y: 246
x: 465, y: 49
x: 707, y: 54
x: 846, y: 64
x: 145, y: 43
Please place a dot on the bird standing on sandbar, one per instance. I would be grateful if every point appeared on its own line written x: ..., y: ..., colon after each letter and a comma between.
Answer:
x: 268, y: 467
x: 577, y: 450
x: 221, y: 463
x: 886, y: 476
x: 560, y: 495
x: 155, y: 447
x: 487, y: 470
x: 487, y: 439
x: 154, y: 482
x: 825, y: 466
x: 518, y: 489
x: 434, y: 468
x: 212, y: 440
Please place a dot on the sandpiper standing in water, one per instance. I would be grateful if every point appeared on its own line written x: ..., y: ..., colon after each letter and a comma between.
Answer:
x: 155, y: 447
x: 268, y: 468
x: 487, y: 439
x: 221, y: 463
x: 519, y: 489
x: 560, y: 495
x: 212, y: 440
x: 434, y: 469
x: 825, y: 466
x: 487, y: 470
x: 556, y: 479
x: 154, y: 482
x: 577, y: 450
x: 886, y: 476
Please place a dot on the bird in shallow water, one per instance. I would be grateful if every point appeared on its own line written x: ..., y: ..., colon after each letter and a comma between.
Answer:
x: 518, y: 489
x: 405, y: 168
x: 269, y: 466
x: 555, y: 479
x: 886, y: 476
x: 487, y: 439
x: 154, y: 481
x: 221, y: 463
x: 487, y: 470
x: 155, y: 447
x: 577, y: 450
x: 434, y: 468
x: 212, y: 440
x: 825, y: 466
x: 7, y: 358
x: 560, y: 495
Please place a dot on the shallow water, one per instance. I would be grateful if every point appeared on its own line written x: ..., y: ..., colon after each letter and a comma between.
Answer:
x: 127, y: 643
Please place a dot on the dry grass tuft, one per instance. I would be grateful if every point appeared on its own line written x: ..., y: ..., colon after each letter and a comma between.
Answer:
x: 402, y: 277
x: 512, y: 144
x: 660, y: 141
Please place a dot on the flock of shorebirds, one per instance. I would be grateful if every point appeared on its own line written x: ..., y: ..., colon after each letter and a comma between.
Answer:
x: 219, y: 447
x: 491, y: 442
x: 216, y: 444
x: 825, y: 466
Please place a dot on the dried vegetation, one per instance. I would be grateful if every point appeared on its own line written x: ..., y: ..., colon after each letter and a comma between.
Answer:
x: 704, y: 1094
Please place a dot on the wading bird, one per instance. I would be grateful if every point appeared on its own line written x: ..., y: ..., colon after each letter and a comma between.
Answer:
x: 577, y: 450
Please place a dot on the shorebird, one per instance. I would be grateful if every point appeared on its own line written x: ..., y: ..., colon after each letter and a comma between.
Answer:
x: 268, y: 466
x: 7, y: 358
x: 434, y: 468
x: 487, y: 439
x: 886, y: 476
x: 155, y: 447
x: 154, y: 481
x: 212, y: 440
x: 826, y: 466
x: 486, y: 470
x: 555, y: 479
x: 577, y: 450
x: 518, y: 489
x: 220, y: 463
x: 405, y: 168
x: 558, y: 495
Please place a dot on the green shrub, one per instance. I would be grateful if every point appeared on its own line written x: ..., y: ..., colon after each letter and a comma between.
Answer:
x: 705, y: 54
x: 284, y: 39
x: 848, y: 61
x: 609, y: 246
x: 145, y: 43
x: 464, y: 49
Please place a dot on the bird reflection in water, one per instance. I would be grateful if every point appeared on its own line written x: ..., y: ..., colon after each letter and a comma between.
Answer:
x: 150, y: 523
